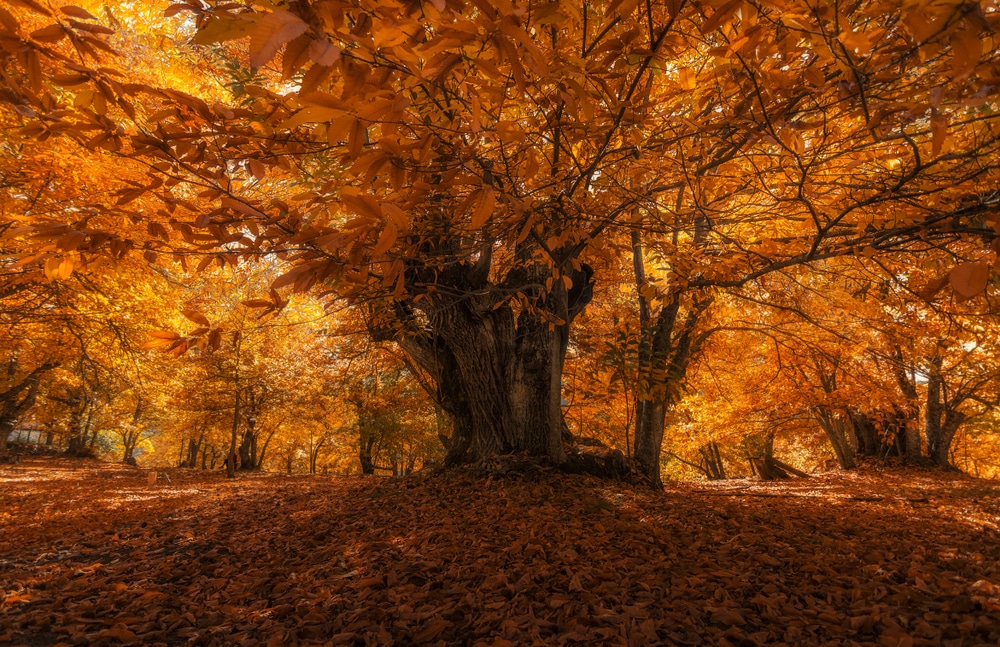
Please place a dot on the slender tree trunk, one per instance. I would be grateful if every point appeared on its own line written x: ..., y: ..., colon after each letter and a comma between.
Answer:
x: 314, y: 454
x: 934, y: 414
x: 711, y: 460
x: 230, y: 463
x: 910, y: 422
x: 267, y: 441
x: 665, y: 354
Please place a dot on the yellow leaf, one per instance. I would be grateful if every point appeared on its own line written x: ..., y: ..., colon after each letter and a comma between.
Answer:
x: 50, y: 34
x: 397, y: 215
x: 721, y: 14
x: 312, y: 114
x: 52, y: 267
x: 257, y: 169
x: 271, y: 32
x: 856, y: 41
x: 223, y: 29
x: 931, y: 289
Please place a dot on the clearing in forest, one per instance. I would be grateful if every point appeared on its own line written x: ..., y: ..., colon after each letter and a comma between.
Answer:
x: 93, y: 554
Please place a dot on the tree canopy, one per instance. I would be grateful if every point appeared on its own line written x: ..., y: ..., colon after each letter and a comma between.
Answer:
x: 447, y: 230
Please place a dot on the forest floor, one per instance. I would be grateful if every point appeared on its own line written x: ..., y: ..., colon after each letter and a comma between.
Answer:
x: 90, y: 554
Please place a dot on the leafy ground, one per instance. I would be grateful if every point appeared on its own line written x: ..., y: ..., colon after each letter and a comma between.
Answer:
x: 91, y: 554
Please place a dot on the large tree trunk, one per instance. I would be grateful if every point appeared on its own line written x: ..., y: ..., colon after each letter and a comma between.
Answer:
x: 193, y: 447
x: 13, y: 405
x: 498, y: 377
x: 941, y: 432
x: 909, y: 417
x: 880, y: 436
x: 838, y: 428
x: 494, y: 346
x: 365, y: 455
x: 941, y: 452
x: 941, y: 417
x: 248, y: 450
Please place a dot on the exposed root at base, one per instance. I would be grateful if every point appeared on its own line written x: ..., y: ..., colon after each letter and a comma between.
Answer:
x: 602, y: 462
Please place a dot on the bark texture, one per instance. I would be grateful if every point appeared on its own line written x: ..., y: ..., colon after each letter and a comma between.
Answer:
x: 17, y: 400
x: 496, y: 363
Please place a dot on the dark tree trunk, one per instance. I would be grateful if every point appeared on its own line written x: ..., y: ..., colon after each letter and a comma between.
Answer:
x: 839, y: 429
x: 499, y: 379
x: 880, y: 437
x: 711, y: 460
x: 768, y: 468
x: 665, y: 354
x: 248, y: 451
x: 939, y: 438
x: 230, y: 463
x: 76, y: 444
x: 17, y: 400
x: 942, y: 419
x: 128, y: 456
x: 267, y: 442
x: 909, y: 416
x: 193, y: 447
x: 493, y: 346
x: 763, y: 465
x: 365, y: 455
x: 314, y: 454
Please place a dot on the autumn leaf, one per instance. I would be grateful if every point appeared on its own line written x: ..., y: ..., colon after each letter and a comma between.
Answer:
x: 196, y: 317
x: 969, y: 279
x: 483, y: 203
x: 271, y: 31
x: 386, y: 239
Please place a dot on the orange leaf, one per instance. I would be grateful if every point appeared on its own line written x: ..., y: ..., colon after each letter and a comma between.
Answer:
x: 969, y: 279
x: 323, y: 53
x: 484, y: 201
x: 50, y: 34
x: 386, y: 239
x: 77, y: 12
x: 196, y: 317
x: 271, y: 32
x: 931, y: 289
